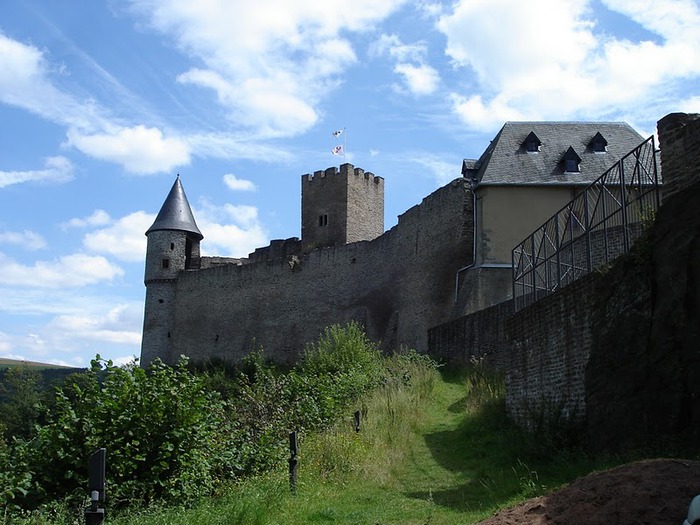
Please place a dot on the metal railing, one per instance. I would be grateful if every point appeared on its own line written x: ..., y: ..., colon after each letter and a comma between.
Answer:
x: 600, y: 224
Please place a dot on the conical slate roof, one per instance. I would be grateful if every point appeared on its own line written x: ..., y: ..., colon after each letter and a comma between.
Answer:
x: 176, y: 214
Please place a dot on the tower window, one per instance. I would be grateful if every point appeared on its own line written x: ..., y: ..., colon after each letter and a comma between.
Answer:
x: 166, y: 263
x: 323, y: 220
x: 172, y: 245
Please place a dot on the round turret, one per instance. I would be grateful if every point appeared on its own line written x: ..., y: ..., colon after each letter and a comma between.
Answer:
x: 173, y: 246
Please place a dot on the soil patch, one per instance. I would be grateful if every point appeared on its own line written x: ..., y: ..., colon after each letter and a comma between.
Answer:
x: 650, y: 492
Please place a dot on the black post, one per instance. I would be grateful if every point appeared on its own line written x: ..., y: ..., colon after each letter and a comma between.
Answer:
x: 293, y: 462
x: 356, y: 419
x: 94, y: 515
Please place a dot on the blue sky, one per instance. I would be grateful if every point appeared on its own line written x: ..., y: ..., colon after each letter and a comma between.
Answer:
x: 102, y: 103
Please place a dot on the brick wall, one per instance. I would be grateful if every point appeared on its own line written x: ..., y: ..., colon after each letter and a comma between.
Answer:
x: 481, y: 335
x: 550, y: 344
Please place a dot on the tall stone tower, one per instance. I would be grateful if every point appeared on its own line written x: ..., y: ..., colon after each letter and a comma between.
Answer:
x: 339, y: 207
x: 173, y: 246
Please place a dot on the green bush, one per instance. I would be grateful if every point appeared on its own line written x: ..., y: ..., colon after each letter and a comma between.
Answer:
x: 21, y: 395
x: 339, y: 350
x: 169, y: 435
x: 339, y: 368
x: 160, y: 428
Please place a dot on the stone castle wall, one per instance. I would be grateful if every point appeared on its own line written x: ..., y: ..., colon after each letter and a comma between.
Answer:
x: 679, y: 137
x: 616, y: 350
x: 340, y: 207
x: 397, y: 285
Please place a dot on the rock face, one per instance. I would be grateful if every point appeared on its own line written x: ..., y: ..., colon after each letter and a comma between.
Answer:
x: 643, y: 375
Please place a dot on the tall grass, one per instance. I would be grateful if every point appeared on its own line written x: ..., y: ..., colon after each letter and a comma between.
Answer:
x: 434, y: 446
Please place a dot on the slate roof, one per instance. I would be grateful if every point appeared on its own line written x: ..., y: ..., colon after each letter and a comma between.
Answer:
x: 176, y: 214
x: 506, y: 162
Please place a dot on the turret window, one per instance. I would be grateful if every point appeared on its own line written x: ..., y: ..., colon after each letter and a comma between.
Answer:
x: 323, y: 220
x: 166, y: 264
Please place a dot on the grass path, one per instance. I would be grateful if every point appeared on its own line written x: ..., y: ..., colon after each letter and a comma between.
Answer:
x: 420, y: 459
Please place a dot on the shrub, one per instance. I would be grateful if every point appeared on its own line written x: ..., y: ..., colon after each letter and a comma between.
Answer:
x: 169, y: 435
x: 159, y: 427
x: 21, y: 395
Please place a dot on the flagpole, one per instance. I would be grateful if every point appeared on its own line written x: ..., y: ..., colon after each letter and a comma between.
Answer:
x: 345, y: 144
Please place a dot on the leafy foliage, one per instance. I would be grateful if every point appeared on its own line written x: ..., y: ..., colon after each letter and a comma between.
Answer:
x: 159, y: 428
x: 20, y: 392
x: 174, y: 436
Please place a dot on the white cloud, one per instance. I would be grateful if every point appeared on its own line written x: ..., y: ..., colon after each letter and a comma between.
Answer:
x: 25, y: 239
x: 418, y: 77
x: 442, y: 170
x: 268, y: 67
x: 28, y: 82
x: 98, y: 218
x: 236, y: 184
x: 559, y: 66
x: 229, y: 146
x: 113, y: 326
x: 138, y: 149
x: 56, y: 170
x: 420, y: 80
x: 25, y: 83
x: 124, y: 238
x: 230, y: 230
x: 69, y: 271
x: 77, y: 332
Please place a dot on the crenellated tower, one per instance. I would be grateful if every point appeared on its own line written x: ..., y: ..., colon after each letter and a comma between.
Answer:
x: 340, y: 207
x: 173, y: 247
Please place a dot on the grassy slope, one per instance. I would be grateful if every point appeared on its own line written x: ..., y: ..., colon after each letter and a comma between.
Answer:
x: 419, y: 459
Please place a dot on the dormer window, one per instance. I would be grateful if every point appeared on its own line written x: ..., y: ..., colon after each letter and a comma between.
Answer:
x: 532, y: 143
x: 571, y: 161
x: 598, y: 143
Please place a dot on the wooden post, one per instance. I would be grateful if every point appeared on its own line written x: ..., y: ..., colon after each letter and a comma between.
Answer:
x: 293, y: 462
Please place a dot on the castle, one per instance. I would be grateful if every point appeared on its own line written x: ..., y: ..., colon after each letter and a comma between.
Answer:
x: 446, y: 257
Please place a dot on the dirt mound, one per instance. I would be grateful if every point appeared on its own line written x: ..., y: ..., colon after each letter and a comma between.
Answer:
x: 651, y: 492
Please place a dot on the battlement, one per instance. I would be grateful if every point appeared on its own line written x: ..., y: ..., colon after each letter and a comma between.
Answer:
x: 345, y: 170
x: 339, y: 206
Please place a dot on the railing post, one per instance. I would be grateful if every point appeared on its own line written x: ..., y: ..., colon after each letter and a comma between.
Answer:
x: 623, y: 202
x: 602, y: 197
x: 514, y: 278
x: 656, y: 174
x: 557, y: 247
x: 533, y: 264
x: 587, y: 225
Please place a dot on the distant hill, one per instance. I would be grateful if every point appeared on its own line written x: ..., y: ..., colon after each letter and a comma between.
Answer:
x: 51, y: 374
x: 4, y: 363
